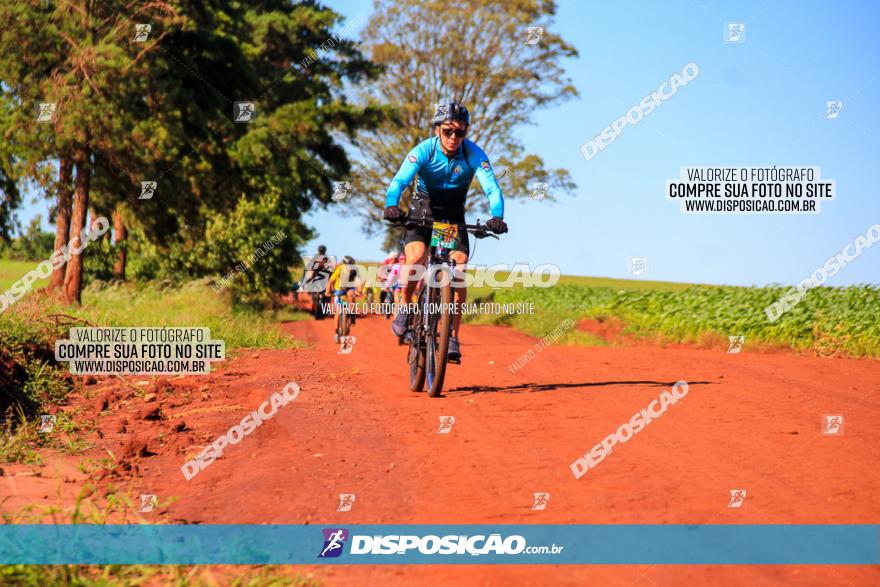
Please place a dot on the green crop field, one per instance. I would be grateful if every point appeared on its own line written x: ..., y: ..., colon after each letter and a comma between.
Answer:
x: 827, y: 320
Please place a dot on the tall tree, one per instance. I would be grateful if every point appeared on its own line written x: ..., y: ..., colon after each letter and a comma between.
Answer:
x: 161, y: 110
x: 73, y: 276
x: 10, y: 197
x: 473, y: 51
x: 62, y: 217
x: 288, y: 152
x: 120, y: 237
x: 79, y: 58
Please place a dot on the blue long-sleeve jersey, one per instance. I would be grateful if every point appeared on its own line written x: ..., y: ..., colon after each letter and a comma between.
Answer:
x: 444, y: 178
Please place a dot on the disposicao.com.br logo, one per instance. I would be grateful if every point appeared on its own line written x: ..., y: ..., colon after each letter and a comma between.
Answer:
x: 480, y: 544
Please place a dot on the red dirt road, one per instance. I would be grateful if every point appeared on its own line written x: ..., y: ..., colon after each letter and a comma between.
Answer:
x: 749, y: 421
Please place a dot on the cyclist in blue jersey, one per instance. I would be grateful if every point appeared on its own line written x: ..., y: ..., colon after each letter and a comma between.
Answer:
x: 446, y: 164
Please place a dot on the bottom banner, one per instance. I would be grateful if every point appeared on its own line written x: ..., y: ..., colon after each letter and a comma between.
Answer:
x: 441, y: 544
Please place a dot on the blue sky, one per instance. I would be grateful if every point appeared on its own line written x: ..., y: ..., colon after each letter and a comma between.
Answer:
x: 756, y: 103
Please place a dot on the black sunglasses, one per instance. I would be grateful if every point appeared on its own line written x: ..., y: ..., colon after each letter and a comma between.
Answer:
x: 448, y: 133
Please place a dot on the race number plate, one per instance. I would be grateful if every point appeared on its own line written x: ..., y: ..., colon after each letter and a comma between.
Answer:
x: 444, y: 235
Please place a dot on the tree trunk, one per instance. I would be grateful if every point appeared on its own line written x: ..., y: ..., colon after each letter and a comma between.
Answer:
x: 73, y: 278
x: 62, y: 220
x: 121, y: 233
x: 92, y: 221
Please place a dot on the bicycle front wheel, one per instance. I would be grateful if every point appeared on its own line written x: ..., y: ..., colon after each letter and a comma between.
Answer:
x: 438, y: 338
x: 416, y: 356
x: 416, y: 360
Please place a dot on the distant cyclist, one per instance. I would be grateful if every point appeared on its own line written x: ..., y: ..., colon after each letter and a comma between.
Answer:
x: 393, y: 281
x: 386, y: 295
x: 319, y: 269
x: 446, y: 165
x: 344, y: 281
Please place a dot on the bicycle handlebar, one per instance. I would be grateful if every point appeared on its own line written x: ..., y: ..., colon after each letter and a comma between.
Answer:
x: 478, y: 230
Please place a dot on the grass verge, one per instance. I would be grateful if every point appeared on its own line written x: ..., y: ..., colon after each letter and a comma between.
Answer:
x: 85, y: 512
x: 191, y: 304
x: 31, y: 380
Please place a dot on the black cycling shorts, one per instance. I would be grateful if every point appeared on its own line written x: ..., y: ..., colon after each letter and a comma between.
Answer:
x: 421, y: 208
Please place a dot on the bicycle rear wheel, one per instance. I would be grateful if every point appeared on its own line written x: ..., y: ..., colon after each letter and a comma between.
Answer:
x: 438, y: 339
x: 343, y: 328
x: 316, y: 306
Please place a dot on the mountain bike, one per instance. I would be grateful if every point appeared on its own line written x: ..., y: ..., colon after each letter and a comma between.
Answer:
x: 431, y: 323
x: 346, y: 320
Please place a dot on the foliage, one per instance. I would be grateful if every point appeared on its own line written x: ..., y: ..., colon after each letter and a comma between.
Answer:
x: 29, y: 377
x: 828, y: 320
x: 256, y: 242
x: 252, y: 246
x: 162, y: 110
x: 32, y: 245
x: 137, y: 575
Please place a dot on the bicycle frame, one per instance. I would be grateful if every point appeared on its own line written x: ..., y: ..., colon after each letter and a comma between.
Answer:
x: 430, y: 330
